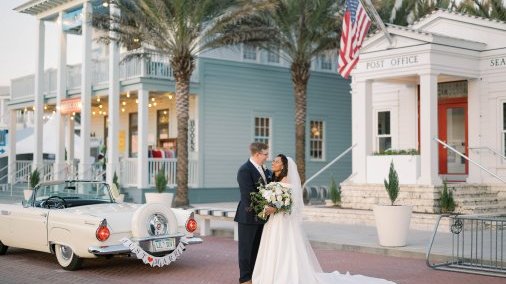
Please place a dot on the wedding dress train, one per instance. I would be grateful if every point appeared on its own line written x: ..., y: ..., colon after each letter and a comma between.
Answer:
x: 285, y: 255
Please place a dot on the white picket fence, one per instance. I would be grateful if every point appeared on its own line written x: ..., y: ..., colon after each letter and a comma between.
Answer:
x: 128, y: 175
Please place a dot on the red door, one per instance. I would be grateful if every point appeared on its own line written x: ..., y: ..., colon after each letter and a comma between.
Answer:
x: 452, y: 115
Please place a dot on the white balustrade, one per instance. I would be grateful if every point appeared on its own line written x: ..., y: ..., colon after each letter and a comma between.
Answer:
x: 129, y: 171
x: 100, y: 71
x: 23, y: 169
x: 128, y: 175
x: 73, y: 76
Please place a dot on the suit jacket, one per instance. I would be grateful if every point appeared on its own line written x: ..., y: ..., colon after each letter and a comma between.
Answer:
x: 248, y: 178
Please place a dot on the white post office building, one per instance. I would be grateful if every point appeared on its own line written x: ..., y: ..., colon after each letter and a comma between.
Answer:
x: 441, y: 78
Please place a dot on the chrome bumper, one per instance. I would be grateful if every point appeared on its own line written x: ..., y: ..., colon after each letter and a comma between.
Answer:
x: 192, y: 240
x: 121, y: 249
x: 108, y: 250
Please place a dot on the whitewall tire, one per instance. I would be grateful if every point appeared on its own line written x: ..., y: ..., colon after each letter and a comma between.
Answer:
x: 66, y: 257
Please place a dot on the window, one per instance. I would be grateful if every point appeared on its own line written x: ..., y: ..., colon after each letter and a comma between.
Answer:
x: 3, y: 137
x: 162, y: 126
x: 384, y: 135
x: 316, y: 141
x: 132, y: 135
x: 273, y: 57
x: 325, y: 62
x: 263, y: 131
x: 249, y: 52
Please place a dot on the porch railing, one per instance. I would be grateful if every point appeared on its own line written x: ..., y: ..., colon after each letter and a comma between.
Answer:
x: 477, y: 245
x: 320, y: 194
x: 129, y: 171
x: 489, y: 149
x: 154, y: 65
x: 468, y: 159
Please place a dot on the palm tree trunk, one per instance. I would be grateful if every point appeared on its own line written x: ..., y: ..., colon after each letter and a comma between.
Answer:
x: 182, y: 111
x: 300, y: 77
x: 183, y: 67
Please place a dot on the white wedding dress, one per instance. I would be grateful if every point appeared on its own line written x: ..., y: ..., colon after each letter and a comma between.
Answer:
x: 285, y: 255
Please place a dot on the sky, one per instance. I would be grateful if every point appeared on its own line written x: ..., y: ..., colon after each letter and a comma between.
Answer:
x: 18, y: 43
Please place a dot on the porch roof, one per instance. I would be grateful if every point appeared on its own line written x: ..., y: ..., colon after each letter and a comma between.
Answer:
x: 35, y: 7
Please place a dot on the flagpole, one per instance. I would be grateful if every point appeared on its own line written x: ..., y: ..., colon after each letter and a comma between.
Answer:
x: 378, y: 20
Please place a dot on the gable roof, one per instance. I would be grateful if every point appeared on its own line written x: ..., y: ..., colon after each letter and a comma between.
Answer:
x: 457, y: 16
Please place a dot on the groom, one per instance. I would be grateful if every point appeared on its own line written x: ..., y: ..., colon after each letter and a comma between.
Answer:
x: 250, y: 227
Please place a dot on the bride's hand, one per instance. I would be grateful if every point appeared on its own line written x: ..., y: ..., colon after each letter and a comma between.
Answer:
x: 270, y: 210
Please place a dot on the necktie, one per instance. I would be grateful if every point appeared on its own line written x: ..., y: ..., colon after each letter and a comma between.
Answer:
x: 262, y: 174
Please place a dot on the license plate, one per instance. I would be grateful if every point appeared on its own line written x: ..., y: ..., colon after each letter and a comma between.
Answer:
x: 164, y: 244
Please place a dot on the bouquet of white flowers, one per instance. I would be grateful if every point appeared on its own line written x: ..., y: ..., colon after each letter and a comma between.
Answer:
x: 274, y: 194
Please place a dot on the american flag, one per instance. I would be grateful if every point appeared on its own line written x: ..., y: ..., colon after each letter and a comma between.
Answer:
x: 356, y: 23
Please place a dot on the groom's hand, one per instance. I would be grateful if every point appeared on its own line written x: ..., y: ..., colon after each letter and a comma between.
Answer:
x: 270, y: 210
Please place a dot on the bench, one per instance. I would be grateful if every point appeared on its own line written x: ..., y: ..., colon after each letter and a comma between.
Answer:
x: 217, y: 214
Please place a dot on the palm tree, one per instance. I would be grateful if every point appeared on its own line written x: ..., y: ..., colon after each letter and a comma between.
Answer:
x: 492, y: 9
x: 181, y: 30
x: 405, y: 12
x: 298, y: 31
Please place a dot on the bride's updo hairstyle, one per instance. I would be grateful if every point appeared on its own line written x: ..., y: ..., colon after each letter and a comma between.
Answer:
x: 284, y: 171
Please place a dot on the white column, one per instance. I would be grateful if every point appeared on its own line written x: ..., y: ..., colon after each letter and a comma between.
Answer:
x: 475, y: 87
x: 11, y: 144
x: 39, y: 95
x: 84, y: 164
x: 61, y: 93
x: 69, y: 140
x: 429, y: 163
x: 361, y: 112
x: 114, y: 105
x: 142, y: 139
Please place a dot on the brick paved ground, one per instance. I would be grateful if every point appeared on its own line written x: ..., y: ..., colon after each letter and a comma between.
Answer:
x: 214, y: 262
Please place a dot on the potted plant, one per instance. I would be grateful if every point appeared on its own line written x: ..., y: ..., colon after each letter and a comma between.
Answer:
x: 161, y: 186
x: 33, y: 180
x: 335, y: 193
x: 392, y: 221
x: 115, y: 189
x: 446, y: 201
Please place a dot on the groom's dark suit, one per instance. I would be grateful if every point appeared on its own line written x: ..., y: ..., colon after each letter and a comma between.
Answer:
x: 250, y: 227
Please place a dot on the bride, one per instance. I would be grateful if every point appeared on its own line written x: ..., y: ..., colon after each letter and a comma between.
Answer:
x: 285, y: 255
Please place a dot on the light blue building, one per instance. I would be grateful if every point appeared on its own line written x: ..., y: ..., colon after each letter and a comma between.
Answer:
x: 238, y: 95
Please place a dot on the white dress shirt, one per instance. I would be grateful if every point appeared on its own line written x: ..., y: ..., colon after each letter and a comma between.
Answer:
x: 260, y: 169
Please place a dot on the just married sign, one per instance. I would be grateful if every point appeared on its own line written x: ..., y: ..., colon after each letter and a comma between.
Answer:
x: 153, y: 260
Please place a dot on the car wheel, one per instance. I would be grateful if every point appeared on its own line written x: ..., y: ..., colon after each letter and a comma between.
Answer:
x: 3, y: 248
x: 143, y: 215
x: 66, y: 257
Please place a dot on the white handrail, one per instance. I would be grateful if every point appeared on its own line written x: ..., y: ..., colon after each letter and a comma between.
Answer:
x: 490, y: 149
x: 465, y: 157
x: 328, y: 165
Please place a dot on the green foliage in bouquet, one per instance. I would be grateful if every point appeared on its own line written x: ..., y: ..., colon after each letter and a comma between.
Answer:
x: 335, y: 194
x: 446, y: 202
x: 392, y: 185
x: 273, y: 194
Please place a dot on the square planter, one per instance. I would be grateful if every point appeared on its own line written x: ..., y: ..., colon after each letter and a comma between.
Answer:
x: 407, y: 167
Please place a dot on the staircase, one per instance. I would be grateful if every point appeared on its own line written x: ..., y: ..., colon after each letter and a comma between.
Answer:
x: 476, y: 199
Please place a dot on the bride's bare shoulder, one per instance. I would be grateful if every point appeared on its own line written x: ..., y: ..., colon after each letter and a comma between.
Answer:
x: 284, y: 180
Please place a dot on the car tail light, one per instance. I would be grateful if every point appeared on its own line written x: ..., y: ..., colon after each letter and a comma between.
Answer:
x: 191, y: 225
x: 103, y: 232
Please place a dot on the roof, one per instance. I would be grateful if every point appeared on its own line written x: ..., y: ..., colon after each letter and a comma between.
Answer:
x: 35, y: 7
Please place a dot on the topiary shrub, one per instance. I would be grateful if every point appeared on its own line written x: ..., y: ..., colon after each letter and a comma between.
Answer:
x: 446, y: 202
x: 392, y: 185
x: 161, y: 181
x: 335, y: 193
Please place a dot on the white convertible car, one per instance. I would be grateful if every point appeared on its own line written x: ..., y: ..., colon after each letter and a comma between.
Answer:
x: 80, y: 219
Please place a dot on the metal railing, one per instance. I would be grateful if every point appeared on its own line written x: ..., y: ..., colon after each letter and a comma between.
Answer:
x: 477, y: 245
x: 322, y: 192
x: 468, y: 159
x: 489, y: 149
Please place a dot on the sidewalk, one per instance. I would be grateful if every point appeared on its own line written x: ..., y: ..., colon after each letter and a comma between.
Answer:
x: 357, y: 238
